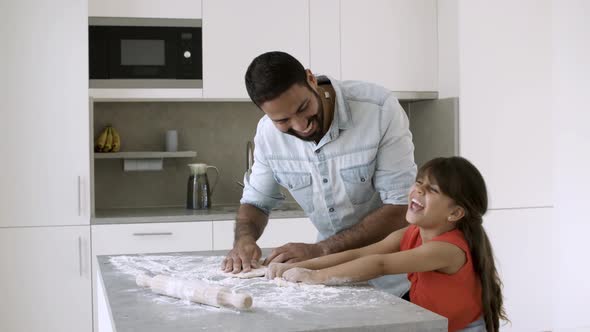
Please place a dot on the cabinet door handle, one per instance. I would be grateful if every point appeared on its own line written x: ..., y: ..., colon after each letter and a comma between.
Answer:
x: 152, y: 234
x: 79, y: 196
x: 80, y: 254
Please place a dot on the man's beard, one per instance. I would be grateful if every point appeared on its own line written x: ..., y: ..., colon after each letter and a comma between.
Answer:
x: 318, y: 117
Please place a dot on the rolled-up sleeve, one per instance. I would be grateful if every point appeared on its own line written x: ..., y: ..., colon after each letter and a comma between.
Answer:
x: 395, y: 170
x: 261, y: 189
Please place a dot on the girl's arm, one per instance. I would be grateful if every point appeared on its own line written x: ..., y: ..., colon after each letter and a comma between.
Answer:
x: 388, y: 245
x: 431, y: 256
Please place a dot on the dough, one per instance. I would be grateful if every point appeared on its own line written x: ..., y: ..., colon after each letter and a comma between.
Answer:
x: 284, y: 283
x: 254, y: 273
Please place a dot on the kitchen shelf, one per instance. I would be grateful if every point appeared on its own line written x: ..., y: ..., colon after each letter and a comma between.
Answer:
x: 144, y: 155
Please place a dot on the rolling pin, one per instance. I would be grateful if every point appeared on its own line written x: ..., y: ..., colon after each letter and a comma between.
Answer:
x: 195, y: 291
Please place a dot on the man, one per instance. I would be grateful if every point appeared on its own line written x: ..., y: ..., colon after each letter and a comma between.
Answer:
x: 343, y: 150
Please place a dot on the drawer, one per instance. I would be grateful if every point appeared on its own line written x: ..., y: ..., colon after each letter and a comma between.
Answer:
x: 151, y: 238
x: 276, y: 233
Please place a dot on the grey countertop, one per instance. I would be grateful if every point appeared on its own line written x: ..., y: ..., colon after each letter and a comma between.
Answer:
x: 276, y: 307
x: 181, y: 214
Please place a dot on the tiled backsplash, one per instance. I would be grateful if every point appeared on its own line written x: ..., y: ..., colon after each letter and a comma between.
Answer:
x: 435, y: 128
x: 218, y: 132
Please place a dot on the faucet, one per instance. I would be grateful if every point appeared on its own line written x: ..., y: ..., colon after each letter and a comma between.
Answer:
x: 249, y: 158
x: 249, y: 161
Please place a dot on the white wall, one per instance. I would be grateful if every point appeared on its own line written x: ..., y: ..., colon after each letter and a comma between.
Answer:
x: 523, y: 243
x: 505, y: 98
x: 571, y: 119
x: 536, y: 56
x: 504, y: 65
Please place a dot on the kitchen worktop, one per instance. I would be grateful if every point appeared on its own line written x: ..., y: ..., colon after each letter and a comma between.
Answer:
x: 181, y: 214
x: 277, y: 306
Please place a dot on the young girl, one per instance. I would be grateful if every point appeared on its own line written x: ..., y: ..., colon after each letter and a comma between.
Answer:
x: 445, y: 250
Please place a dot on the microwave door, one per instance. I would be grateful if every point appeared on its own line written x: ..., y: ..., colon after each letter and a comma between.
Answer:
x: 143, y: 53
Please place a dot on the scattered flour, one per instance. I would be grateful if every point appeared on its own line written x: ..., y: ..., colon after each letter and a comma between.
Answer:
x: 272, y: 296
x: 259, y: 272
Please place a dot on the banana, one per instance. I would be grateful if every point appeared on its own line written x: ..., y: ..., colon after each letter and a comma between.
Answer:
x: 108, y: 145
x: 116, y: 140
x: 100, y: 141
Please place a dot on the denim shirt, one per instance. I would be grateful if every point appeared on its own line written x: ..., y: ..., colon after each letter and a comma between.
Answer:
x: 365, y: 160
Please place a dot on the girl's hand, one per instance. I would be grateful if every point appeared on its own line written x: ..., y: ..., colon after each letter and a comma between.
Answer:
x: 276, y: 270
x: 299, y: 274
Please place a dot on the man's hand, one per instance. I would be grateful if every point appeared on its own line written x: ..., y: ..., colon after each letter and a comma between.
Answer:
x: 294, y: 252
x: 243, y: 257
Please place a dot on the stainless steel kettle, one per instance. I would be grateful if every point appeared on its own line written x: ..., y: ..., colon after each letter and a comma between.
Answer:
x: 198, y: 193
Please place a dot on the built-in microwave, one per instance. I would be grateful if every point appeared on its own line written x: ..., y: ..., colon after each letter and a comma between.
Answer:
x: 145, y: 53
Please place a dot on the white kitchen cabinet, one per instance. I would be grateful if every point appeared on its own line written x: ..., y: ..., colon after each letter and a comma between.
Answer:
x: 45, y: 280
x: 235, y: 32
x: 324, y: 37
x: 390, y: 42
x: 44, y: 133
x: 44, y: 174
x: 522, y: 240
x: 190, y: 9
x: 119, y: 239
x: 505, y: 89
x: 276, y: 233
x: 223, y: 234
x: 151, y: 238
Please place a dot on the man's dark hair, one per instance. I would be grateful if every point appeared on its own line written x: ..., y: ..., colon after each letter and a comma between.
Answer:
x: 272, y: 73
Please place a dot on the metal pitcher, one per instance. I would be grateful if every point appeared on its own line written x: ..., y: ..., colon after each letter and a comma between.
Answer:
x: 198, y: 194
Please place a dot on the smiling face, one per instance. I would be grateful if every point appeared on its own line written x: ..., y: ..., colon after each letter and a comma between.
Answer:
x: 298, y: 111
x: 429, y: 208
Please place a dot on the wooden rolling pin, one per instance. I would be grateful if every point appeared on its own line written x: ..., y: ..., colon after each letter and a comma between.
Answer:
x: 196, y: 291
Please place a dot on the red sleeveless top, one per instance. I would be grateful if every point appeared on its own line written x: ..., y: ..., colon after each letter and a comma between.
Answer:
x: 455, y: 296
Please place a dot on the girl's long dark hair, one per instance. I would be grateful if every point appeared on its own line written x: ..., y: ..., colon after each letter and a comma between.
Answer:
x: 461, y: 181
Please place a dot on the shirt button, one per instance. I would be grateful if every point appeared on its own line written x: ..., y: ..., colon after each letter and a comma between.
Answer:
x: 331, y: 210
x: 318, y: 150
x: 325, y: 180
x: 362, y: 179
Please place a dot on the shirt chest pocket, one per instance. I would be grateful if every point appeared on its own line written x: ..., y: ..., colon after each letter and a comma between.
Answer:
x: 358, y: 182
x: 299, y: 185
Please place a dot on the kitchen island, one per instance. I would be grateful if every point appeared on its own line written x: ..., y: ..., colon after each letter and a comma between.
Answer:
x: 278, y: 306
